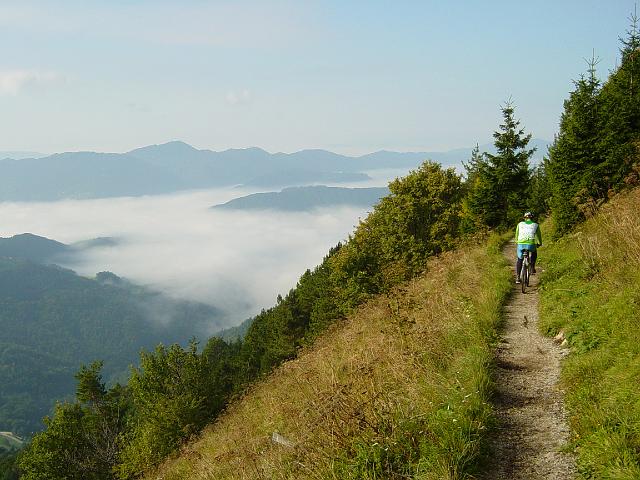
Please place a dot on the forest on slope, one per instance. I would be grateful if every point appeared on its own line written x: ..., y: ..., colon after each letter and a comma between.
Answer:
x: 307, y: 198
x: 427, y: 213
x: 53, y: 320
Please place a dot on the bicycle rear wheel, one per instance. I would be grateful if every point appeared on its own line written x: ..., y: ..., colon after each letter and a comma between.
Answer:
x: 524, y: 274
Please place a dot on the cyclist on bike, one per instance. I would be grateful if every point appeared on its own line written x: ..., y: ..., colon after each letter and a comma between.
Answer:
x: 528, y: 237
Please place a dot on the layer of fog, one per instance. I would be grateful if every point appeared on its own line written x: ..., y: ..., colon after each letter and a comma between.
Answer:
x: 237, y: 261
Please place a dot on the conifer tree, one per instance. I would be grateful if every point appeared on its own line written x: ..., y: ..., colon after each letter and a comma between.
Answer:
x: 573, y: 157
x: 473, y: 166
x: 596, y: 151
x: 499, y: 192
x: 620, y: 119
x: 473, y: 216
x: 539, y: 189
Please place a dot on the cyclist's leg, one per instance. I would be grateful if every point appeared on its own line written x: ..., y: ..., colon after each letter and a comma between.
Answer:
x: 518, y: 262
x: 534, y: 256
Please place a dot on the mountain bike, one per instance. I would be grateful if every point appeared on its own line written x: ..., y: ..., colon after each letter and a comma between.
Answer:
x: 525, y: 271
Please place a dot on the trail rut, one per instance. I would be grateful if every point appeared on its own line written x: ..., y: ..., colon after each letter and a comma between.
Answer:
x: 532, y: 423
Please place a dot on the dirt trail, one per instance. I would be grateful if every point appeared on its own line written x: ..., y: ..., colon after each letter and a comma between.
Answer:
x: 529, y: 405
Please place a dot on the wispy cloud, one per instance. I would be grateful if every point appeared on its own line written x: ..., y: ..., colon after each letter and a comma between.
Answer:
x: 13, y: 82
x: 238, y: 97
x: 138, y: 107
x: 237, y: 24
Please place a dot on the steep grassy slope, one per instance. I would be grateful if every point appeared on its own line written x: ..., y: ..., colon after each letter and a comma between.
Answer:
x: 592, y: 293
x: 399, y: 389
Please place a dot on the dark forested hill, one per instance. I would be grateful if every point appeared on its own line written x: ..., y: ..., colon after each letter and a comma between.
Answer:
x: 32, y: 247
x: 53, y: 320
x: 28, y: 246
x: 307, y: 198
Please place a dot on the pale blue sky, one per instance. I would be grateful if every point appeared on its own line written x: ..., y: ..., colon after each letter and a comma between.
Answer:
x: 347, y: 76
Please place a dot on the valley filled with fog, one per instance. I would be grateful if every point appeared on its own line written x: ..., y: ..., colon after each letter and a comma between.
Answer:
x: 237, y: 261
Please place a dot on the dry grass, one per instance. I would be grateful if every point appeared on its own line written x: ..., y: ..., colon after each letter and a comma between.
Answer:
x: 408, y: 371
x: 614, y: 233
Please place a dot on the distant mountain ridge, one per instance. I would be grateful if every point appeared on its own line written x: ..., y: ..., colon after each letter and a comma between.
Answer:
x: 307, y: 198
x: 174, y: 166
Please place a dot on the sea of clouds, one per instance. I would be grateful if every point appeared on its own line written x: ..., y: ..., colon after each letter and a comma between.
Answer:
x: 238, y: 261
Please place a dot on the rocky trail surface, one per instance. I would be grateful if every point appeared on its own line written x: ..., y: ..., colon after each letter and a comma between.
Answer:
x: 532, y: 424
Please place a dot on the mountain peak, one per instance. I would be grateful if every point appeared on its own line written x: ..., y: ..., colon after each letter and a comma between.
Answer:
x: 175, y: 147
x: 31, y: 247
x: 177, y: 144
x: 30, y: 237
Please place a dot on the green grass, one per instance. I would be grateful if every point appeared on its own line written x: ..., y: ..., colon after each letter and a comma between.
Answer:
x: 448, y: 441
x: 591, y: 291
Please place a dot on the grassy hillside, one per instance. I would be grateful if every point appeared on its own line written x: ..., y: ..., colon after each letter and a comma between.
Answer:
x: 592, y: 294
x: 399, y: 389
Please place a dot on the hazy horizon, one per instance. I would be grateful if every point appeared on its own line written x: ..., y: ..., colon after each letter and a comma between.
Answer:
x: 26, y: 153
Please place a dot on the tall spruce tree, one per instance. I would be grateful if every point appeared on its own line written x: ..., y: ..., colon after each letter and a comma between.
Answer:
x: 597, y: 148
x: 573, y: 157
x: 499, y: 191
x: 620, y: 118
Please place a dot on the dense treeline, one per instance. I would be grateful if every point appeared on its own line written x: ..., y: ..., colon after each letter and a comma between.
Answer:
x: 596, y: 150
x: 120, y: 432
x: 593, y: 156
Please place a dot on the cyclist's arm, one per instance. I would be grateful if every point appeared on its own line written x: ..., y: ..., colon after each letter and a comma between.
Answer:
x: 517, y: 228
x: 538, y: 236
